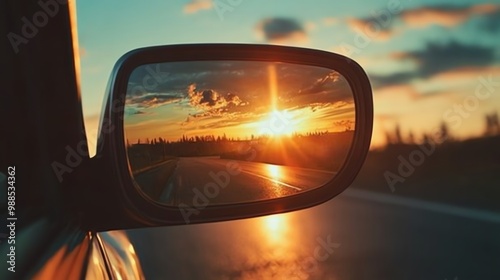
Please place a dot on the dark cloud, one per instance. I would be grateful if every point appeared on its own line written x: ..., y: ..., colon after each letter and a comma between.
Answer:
x: 370, y: 26
x: 129, y: 111
x: 397, y: 78
x: 445, y: 15
x: 384, y: 25
x: 176, y: 77
x: 438, y: 58
x: 152, y: 100
x: 490, y: 22
x: 210, y: 98
x: 323, y: 92
x: 281, y: 29
x: 212, y: 102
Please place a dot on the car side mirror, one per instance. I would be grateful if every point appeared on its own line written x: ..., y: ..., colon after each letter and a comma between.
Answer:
x: 212, y: 132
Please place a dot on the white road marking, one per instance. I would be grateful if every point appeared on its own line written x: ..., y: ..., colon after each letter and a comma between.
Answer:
x: 272, y: 180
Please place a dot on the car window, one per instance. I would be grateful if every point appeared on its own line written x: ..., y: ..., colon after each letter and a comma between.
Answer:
x: 425, y: 205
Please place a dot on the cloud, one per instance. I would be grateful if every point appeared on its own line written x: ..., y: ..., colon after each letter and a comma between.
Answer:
x: 281, y: 30
x: 322, y: 84
x: 216, y: 123
x: 465, y: 73
x: 330, y: 21
x: 438, y: 58
x: 195, y: 6
x: 446, y: 15
x: 129, y: 111
x: 443, y: 15
x: 490, y: 22
x: 152, y: 100
x: 211, y: 101
x: 379, y: 81
x: 370, y: 27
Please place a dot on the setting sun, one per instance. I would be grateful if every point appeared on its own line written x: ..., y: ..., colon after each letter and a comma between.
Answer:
x: 277, y: 123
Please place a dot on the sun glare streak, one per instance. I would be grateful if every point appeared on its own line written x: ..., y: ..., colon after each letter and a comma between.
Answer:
x: 273, y: 85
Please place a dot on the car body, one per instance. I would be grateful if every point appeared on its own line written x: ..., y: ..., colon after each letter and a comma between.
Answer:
x: 44, y: 242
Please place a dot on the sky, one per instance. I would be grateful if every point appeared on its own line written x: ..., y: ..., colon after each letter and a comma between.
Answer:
x: 429, y: 62
x: 236, y: 99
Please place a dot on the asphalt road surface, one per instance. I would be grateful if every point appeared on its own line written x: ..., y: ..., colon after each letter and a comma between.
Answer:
x: 228, y: 181
x: 357, y: 235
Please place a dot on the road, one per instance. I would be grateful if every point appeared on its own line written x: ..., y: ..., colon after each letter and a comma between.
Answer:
x: 228, y: 181
x: 373, y: 236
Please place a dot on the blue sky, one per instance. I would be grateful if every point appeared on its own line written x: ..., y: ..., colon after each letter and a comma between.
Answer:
x: 425, y: 58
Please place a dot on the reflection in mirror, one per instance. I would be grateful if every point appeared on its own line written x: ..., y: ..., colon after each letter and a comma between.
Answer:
x: 204, y: 133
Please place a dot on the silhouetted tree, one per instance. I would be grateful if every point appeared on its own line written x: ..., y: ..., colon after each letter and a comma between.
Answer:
x: 397, y: 135
x: 426, y: 139
x: 411, y: 138
x: 388, y: 138
x: 444, y: 133
x: 492, y: 124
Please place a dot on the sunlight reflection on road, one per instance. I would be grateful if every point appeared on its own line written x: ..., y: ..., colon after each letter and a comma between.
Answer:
x: 277, y: 175
x: 274, y: 171
x: 275, y: 231
x: 272, y: 247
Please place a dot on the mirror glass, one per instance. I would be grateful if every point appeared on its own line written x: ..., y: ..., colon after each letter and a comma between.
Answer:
x: 219, y: 132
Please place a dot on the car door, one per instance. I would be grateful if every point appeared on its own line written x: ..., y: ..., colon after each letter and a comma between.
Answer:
x: 42, y: 112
